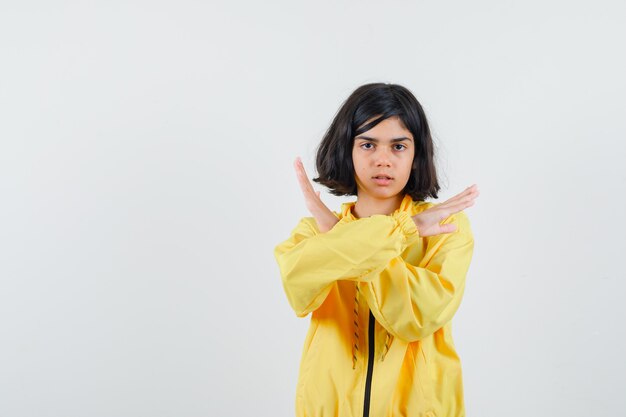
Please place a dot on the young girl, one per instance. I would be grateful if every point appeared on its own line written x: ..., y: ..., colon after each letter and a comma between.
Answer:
x: 384, y: 276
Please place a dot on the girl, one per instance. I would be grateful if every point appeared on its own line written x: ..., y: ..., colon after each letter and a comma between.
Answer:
x: 384, y: 276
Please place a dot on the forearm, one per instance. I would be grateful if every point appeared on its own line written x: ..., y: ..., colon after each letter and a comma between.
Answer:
x: 310, y: 261
x: 414, y: 300
x: 326, y: 220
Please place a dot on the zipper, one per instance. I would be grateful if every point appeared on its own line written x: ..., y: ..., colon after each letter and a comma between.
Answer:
x: 370, y: 365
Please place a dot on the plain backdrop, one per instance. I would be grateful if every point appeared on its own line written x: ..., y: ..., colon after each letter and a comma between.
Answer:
x: 146, y: 152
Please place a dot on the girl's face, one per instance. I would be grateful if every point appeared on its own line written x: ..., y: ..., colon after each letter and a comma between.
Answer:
x: 385, y: 150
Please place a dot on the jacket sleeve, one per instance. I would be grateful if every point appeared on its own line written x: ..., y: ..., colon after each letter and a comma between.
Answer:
x: 310, y: 261
x: 413, y: 301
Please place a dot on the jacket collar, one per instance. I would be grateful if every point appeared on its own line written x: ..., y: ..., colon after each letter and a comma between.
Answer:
x: 405, y: 205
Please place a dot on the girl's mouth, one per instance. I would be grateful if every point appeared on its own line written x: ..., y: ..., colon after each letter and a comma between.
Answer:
x: 382, y: 180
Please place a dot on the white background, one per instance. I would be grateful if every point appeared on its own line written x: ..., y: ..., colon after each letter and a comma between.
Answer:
x: 146, y: 175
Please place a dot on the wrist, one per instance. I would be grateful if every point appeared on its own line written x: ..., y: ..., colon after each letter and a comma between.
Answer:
x: 326, y: 221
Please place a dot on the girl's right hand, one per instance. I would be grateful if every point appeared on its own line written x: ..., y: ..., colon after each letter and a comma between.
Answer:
x: 427, y: 221
x: 323, y: 215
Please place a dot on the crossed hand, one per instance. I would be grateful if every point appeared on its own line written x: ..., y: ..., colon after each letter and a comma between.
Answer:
x: 427, y: 222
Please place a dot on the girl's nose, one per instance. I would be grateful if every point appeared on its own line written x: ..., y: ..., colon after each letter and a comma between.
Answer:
x: 382, y: 159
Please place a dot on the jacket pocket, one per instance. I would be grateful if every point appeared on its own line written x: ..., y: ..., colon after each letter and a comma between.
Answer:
x: 422, y: 379
x: 310, y: 337
x: 308, y: 354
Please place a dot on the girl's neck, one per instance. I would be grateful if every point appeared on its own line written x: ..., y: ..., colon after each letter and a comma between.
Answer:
x: 367, y: 206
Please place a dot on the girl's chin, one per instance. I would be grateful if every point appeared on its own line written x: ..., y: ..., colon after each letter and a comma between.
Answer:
x: 380, y: 192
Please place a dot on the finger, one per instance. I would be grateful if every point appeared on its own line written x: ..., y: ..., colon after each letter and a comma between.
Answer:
x: 462, y: 194
x: 303, y: 179
x: 464, y: 202
x: 469, y: 192
x: 448, y: 228
x: 442, y: 213
x: 449, y: 210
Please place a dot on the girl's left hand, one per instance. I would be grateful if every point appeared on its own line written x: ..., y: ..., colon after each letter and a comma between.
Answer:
x: 323, y: 215
x: 428, y: 222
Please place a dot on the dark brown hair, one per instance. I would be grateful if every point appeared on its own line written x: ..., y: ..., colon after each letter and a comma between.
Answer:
x: 334, y: 154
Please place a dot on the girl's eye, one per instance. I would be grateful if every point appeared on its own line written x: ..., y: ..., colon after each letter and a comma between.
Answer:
x: 397, y: 144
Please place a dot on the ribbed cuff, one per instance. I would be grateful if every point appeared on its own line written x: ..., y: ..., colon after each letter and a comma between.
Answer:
x: 408, y: 227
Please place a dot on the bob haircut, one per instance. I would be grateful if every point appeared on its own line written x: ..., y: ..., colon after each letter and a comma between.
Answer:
x: 334, y: 154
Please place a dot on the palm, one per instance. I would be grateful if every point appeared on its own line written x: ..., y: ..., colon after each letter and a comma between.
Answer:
x: 311, y: 197
x: 428, y: 221
x: 323, y: 215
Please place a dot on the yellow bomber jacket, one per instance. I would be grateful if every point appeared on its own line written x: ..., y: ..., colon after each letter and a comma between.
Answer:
x: 382, y: 298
